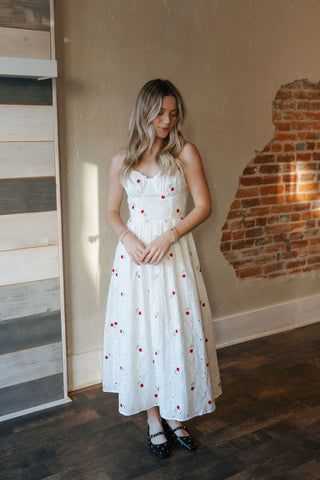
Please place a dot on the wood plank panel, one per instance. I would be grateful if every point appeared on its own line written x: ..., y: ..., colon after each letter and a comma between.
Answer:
x: 26, y: 159
x: 16, y: 42
x: 30, y: 332
x: 28, y: 265
x: 21, y: 123
x: 31, y: 364
x: 22, y: 195
x: 30, y: 394
x: 28, y: 230
x: 31, y: 14
x: 29, y: 298
x: 25, y: 91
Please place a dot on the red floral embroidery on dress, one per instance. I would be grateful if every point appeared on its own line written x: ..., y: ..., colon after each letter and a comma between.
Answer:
x: 178, y: 407
x: 162, y: 196
x: 138, y: 181
x: 172, y: 189
x: 178, y: 210
x: 142, y: 211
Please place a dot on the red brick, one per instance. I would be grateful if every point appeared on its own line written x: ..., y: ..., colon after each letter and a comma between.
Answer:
x: 316, y: 214
x: 285, y: 158
x: 308, y: 187
x: 242, y: 244
x: 241, y: 263
x: 264, y: 259
x: 249, y: 171
x: 314, y: 259
x: 249, y: 181
x: 303, y: 94
x: 235, y: 226
x: 301, y: 197
x: 285, y: 137
x: 280, y: 237
x: 226, y: 236
x: 315, y: 105
x: 272, y: 220
x: 316, y: 156
x: 276, y: 247
x: 300, y: 125
x: 299, y: 244
x: 247, y: 192
x: 225, y: 246
x: 305, y: 215
x: 283, y: 95
x: 236, y: 214
x: 248, y: 223
x: 270, y: 179
x: 303, y: 157
x: 290, y: 178
x: 276, y: 115
x: 259, y: 211
x: 272, y: 190
x: 295, y: 217
x: 291, y: 187
x: 312, y: 115
x: 278, y: 228
x: 238, y: 235
x: 310, y: 223
x: 311, y: 268
x: 276, y: 147
x: 293, y: 115
x: 254, y: 232
x: 306, y: 166
x: 235, y: 205
x: 296, y: 263
x: 261, y: 221
x: 269, y: 169
x: 288, y: 167
x: 304, y: 106
x: 272, y: 200
x: 314, y: 241
x: 306, y: 177
x: 281, y: 208
x: 316, y: 125
x: 289, y: 147
x: 301, y: 206
x: 248, y: 272
x: 272, y: 267
x: 263, y: 158
x: 251, y: 202
x: 311, y: 145
x: 282, y: 126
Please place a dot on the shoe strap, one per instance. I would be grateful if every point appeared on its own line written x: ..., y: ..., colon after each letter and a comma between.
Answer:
x: 157, y: 434
x: 181, y: 427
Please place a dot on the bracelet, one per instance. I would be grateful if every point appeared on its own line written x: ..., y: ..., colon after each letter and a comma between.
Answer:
x: 123, y: 234
x: 176, y: 233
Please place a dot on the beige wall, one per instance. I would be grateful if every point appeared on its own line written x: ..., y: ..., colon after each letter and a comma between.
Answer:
x: 228, y: 58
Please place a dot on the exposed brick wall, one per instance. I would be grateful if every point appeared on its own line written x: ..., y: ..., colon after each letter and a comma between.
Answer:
x: 273, y: 226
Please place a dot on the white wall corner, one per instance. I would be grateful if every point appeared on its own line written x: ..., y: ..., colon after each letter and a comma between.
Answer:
x: 84, y: 369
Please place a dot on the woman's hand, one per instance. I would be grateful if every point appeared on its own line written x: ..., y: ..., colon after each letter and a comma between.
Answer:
x: 135, y: 248
x: 157, y: 249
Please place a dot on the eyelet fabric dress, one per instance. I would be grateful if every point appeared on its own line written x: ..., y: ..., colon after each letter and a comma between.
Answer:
x: 159, y: 347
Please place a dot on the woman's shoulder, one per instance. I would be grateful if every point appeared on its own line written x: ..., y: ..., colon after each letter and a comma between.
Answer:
x: 189, y: 153
x: 118, y: 159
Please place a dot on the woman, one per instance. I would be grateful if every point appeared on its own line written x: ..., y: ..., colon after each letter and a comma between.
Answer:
x: 159, y: 352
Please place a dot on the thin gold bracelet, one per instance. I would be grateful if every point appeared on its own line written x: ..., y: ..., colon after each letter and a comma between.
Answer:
x: 176, y: 233
x: 123, y: 234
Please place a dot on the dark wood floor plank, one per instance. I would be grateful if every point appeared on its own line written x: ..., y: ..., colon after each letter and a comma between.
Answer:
x: 266, y: 426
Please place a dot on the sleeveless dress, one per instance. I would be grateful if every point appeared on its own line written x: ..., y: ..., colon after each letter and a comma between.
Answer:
x: 159, y: 346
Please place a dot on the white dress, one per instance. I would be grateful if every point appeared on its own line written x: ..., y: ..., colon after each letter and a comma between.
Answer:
x: 159, y: 347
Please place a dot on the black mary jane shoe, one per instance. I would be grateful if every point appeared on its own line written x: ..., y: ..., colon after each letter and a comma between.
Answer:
x: 162, y: 450
x: 186, y: 442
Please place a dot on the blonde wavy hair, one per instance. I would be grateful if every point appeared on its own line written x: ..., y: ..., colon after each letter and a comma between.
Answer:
x: 142, y: 134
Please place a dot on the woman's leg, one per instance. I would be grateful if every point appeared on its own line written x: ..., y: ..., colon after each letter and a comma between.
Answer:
x: 175, y: 423
x: 155, y: 425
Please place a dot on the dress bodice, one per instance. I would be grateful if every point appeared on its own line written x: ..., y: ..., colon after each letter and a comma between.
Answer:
x: 156, y: 198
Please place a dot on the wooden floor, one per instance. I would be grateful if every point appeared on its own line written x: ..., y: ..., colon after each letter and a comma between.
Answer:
x: 267, y: 426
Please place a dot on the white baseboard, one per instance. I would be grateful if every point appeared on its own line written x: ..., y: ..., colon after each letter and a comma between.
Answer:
x: 260, y: 323
x: 85, y: 369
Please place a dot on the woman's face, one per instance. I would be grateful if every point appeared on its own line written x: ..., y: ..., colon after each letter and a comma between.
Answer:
x: 166, y: 118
